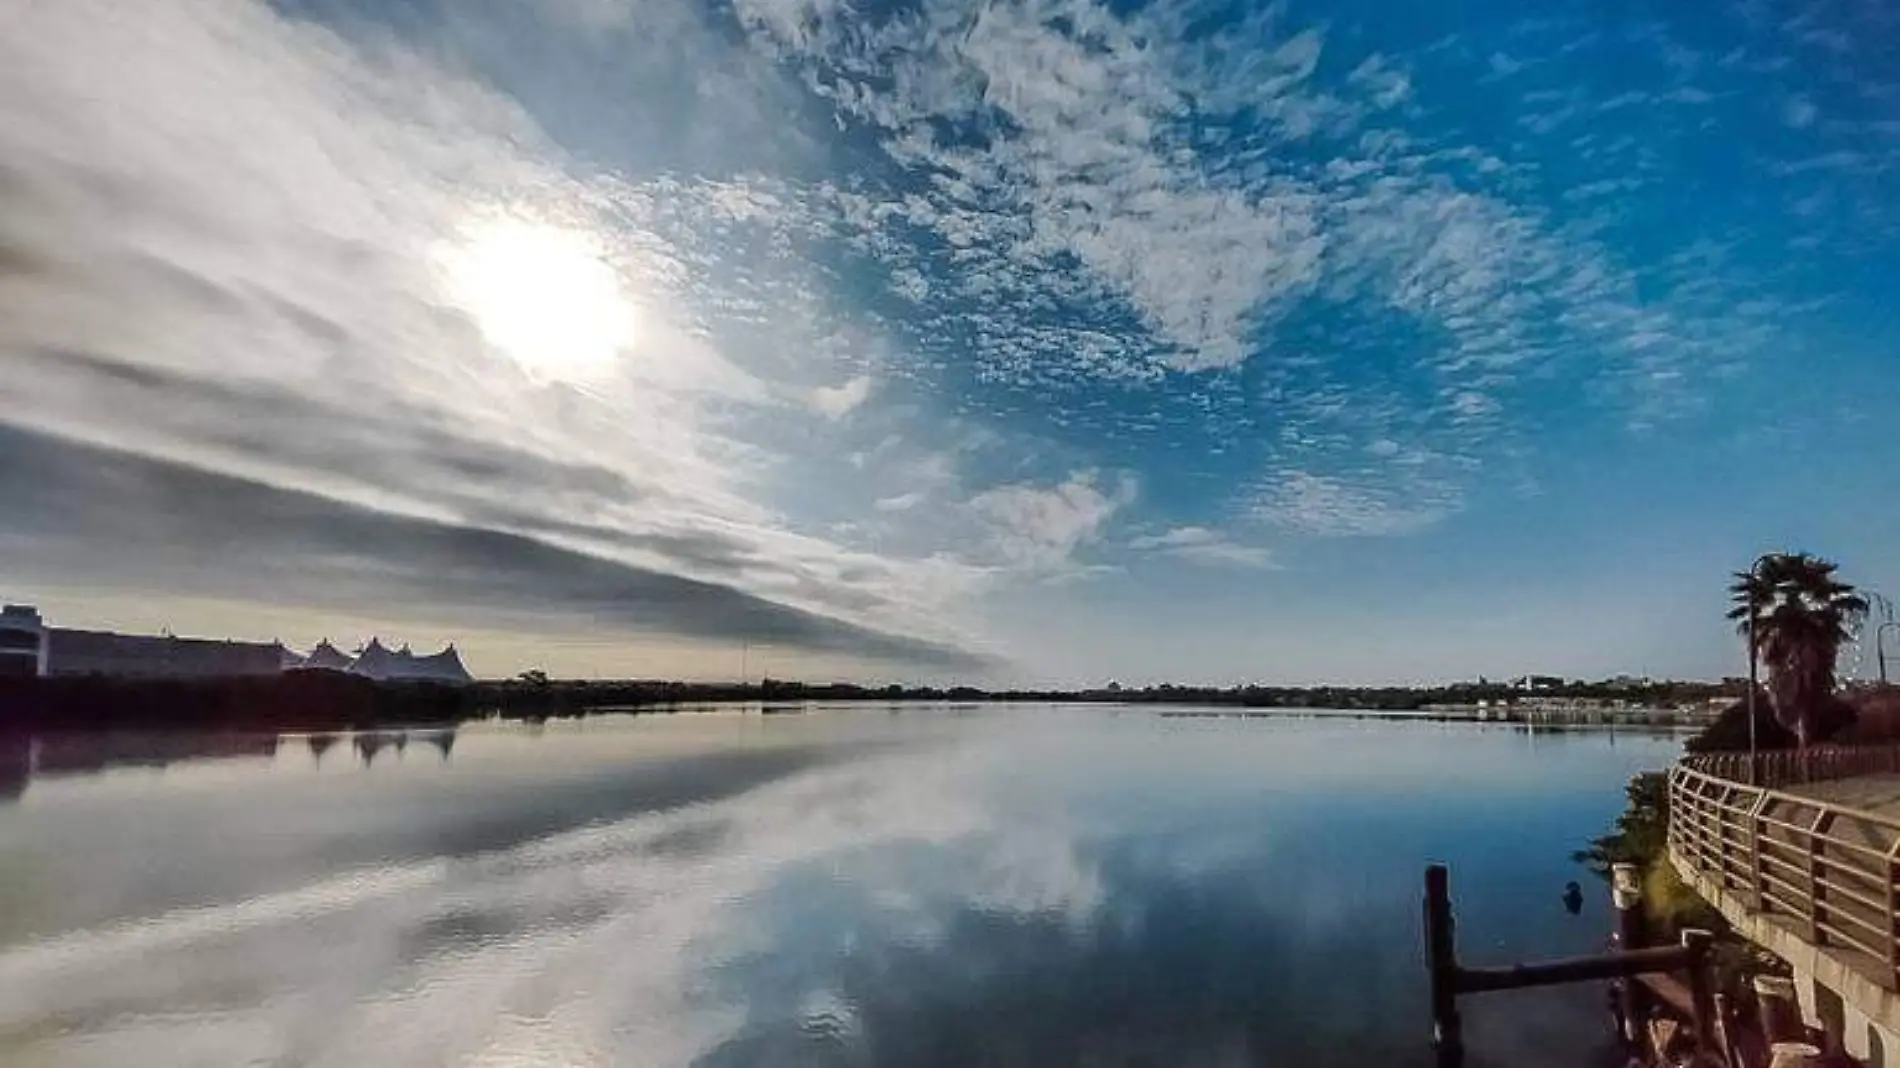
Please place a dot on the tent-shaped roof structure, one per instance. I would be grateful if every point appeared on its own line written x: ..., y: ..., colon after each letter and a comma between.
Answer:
x: 326, y: 657
x: 376, y: 661
x: 445, y: 666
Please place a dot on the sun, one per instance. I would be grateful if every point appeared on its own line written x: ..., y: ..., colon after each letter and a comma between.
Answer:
x: 544, y: 295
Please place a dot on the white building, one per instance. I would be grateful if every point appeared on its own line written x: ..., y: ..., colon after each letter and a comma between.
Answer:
x: 377, y: 661
x: 29, y: 648
x: 325, y: 657
x: 22, y: 642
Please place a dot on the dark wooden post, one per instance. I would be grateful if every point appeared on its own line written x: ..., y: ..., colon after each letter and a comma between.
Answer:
x: 1702, y: 992
x: 1626, y: 894
x: 1441, y: 957
x: 1450, y: 980
x: 1725, y: 1031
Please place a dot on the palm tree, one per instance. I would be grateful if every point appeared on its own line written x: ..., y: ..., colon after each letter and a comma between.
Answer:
x: 1802, y: 617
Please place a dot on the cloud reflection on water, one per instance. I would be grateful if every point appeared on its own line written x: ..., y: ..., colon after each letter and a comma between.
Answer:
x: 999, y: 891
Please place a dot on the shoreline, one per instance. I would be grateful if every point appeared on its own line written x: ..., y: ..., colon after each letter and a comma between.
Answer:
x: 324, y: 701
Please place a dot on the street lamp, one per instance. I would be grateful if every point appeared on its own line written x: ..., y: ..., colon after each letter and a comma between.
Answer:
x: 1754, y: 669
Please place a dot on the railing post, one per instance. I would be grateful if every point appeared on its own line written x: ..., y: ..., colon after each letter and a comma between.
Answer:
x: 1758, y: 899
x: 1816, y: 934
x: 1891, y: 866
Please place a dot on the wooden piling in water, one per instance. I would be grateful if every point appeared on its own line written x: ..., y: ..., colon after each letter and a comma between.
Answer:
x: 1698, y: 945
x: 1626, y: 897
x: 1449, y: 980
x: 1448, y: 1040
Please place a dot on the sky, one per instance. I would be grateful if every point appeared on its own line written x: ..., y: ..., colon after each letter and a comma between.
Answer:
x: 1050, y: 341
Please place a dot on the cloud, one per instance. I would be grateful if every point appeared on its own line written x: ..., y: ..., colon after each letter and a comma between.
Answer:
x: 1085, y: 176
x: 1503, y: 66
x: 836, y: 402
x: 903, y: 502
x: 1389, y: 85
x: 1091, y: 232
x: 236, y: 224
x: 1335, y: 507
x: 1083, y: 229
x: 1209, y: 548
x: 207, y: 535
x: 1799, y: 112
x: 1041, y: 529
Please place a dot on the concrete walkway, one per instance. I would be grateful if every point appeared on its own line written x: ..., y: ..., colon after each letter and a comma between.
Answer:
x: 1878, y: 794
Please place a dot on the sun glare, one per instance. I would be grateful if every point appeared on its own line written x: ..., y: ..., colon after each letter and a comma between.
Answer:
x: 544, y: 295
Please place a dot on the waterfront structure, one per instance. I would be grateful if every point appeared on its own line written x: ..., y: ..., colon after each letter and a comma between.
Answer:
x: 137, y: 656
x: 325, y: 657
x: 22, y: 642
x: 29, y: 648
x: 378, y: 662
x: 1637, y: 969
x: 1800, y: 852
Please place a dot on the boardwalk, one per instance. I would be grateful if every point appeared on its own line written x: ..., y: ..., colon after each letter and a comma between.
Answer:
x: 1876, y: 794
x: 1808, y: 867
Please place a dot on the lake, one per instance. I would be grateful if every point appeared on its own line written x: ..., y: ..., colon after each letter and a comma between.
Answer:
x: 1012, y: 887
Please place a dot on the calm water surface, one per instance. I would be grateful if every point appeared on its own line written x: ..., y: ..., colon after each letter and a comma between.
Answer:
x: 1019, y: 888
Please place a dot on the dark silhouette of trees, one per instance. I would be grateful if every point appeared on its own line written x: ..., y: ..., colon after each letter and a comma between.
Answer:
x: 1802, y: 615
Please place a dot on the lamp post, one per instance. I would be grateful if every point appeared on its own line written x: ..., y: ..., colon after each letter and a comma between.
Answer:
x: 1754, y: 668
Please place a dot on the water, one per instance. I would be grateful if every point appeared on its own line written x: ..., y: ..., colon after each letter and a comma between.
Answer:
x: 1020, y: 888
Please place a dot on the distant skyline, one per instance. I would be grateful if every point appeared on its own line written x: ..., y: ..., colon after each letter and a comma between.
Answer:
x: 1039, y: 342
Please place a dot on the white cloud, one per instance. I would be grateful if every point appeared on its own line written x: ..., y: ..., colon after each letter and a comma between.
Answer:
x: 1503, y: 66
x: 254, y: 207
x: 234, y: 223
x: 1388, y: 84
x: 1209, y: 548
x: 1086, y: 196
x: 836, y: 402
x: 1041, y: 529
x: 1088, y: 169
x: 1335, y: 507
x: 1799, y: 112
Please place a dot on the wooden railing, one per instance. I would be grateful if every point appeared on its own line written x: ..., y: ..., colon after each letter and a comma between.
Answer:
x: 1832, y: 873
x: 1776, y: 768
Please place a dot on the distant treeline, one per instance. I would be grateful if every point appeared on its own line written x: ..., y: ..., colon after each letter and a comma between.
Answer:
x: 321, y: 700
x: 533, y: 694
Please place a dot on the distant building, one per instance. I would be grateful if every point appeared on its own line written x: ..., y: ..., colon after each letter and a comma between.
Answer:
x: 376, y: 661
x: 22, y: 642
x: 30, y: 648
x: 325, y: 657
x: 101, y: 652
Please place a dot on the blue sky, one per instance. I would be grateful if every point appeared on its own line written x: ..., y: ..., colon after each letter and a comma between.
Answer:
x: 1040, y: 341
